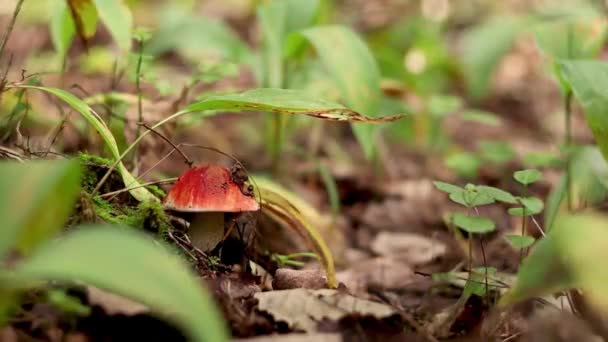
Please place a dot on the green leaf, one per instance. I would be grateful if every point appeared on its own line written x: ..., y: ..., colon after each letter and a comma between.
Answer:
x: 442, y: 105
x: 527, y: 177
x: 36, y: 198
x: 473, y: 224
x: 483, y: 47
x: 199, y: 37
x: 62, y: 29
x: 567, y: 258
x: 464, y: 163
x: 533, y: 204
x: 117, y: 17
x: 447, y: 187
x: 283, y: 101
x: 589, y: 81
x: 356, y: 76
x: 497, y: 194
x: 128, y: 263
x: 498, y: 152
x: 84, y: 15
x: 482, y: 117
x: 519, y: 241
x: 140, y: 193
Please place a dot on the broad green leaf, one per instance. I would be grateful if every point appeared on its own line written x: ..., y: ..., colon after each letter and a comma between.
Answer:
x: 527, y: 177
x: 117, y: 17
x: 519, y: 241
x: 589, y: 81
x: 283, y: 101
x: 540, y: 159
x: 84, y: 15
x: 497, y: 194
x: 357, y: 76
x: 131, y: 264
x: 277, y: 19
x: 140, y: 193
x: 62, y: 29
x: 199, y: 37
x: 473, y: 224
x: 533, y: 204
x: 285, y: 207
x: 483, y: 47
x: 567, y: 258
x: 471, y: 196
x: 36, y: 198
x: 571, y: 38
x: 447, y: 187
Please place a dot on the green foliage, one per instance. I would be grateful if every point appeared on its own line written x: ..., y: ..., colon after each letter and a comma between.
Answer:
x: 136, y: 267
x: 473, y: 224
x: 589, y: 81
x: 199, y: 38
x: 519, y: 241
x: 83, y: 109
x: 484, y: 46
x: 80, y: 17
x: 465, y: 164
x: 565, y: 259
x: 483, y: 117
x: 35, y: 199
x: 527, y: 177
x: 357, y: 77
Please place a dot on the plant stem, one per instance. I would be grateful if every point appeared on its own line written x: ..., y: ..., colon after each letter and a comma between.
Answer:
x: 568, y: 142
x: 140, y: 114
x: 10, y: 27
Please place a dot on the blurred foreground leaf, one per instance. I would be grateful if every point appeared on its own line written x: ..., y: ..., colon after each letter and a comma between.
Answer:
x: 567, y: 258
x: 128, y: 263
x: 36, y: 198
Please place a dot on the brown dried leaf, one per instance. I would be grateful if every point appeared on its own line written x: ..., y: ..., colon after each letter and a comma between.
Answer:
x: 302, y: 309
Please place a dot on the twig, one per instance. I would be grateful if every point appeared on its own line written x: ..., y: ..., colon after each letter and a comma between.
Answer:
x: 168, y: 180
x: 10, y: 27
x: 186, y: 159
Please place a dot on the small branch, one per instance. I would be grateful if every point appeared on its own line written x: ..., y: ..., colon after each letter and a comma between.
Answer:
x: 113, y: 193
x: 10, y: 27
x: 186, y: 159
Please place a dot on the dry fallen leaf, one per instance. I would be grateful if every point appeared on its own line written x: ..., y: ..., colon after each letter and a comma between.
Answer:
x: 384, y: 272
x: 413, y: 248
x: 286, y: 278
x: 302, y: 309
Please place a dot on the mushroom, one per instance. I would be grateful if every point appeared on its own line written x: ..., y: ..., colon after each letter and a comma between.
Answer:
x: 208, y: 191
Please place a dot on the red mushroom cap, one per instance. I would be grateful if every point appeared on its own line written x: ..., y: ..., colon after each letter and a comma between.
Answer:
x: 208, y: 188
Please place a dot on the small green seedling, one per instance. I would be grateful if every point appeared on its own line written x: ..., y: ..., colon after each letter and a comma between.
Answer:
x: 529, y: 206
x: 289, y: 259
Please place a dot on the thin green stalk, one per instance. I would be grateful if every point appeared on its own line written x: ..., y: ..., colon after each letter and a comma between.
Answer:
x: 568, y: 143
x: 140, y: 113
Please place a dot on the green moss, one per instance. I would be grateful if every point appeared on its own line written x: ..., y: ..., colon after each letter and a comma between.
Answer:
x: 148, y: 216
x: 93, y: 159
x: 156, y: 191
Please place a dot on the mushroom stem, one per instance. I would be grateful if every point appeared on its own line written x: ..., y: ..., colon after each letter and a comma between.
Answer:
x: 207, y: 230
